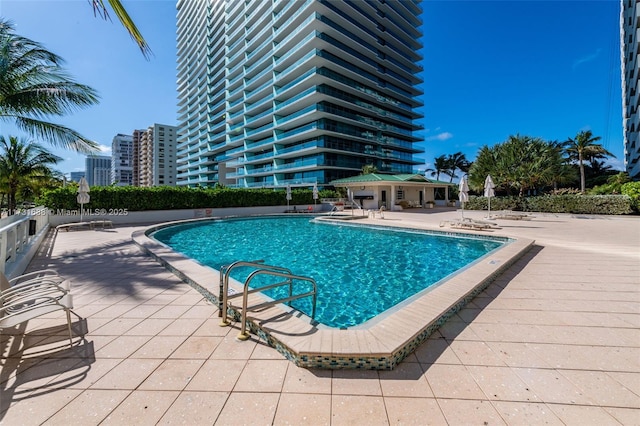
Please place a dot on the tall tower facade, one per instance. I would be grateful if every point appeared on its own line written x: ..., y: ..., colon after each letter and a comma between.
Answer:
x: 122, y: 160
x: 98, y: 170
x: 157, y: 156
x: 277, y: 93
x: 630, y: 49
x: 137, y: 142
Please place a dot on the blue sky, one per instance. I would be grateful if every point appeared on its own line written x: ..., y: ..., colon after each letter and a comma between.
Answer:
x: 492, y: 69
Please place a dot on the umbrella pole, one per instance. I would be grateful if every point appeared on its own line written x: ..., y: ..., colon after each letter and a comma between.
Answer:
x: 81, y: 209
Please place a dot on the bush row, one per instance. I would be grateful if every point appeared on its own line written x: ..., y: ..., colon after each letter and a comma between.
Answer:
x: 170, y: 197
x: 579, y: 204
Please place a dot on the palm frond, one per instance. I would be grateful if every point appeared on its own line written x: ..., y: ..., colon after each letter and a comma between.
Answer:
x: 100, y: 9
x: 56, y: 134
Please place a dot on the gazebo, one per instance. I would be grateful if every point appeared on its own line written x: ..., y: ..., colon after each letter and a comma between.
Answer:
x: 375, y: 190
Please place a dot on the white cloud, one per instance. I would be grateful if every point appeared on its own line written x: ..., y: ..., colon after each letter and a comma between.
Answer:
x: 104, y: 148
x: 586, y: 58
x: 616, y: 163
x: 440, y: 137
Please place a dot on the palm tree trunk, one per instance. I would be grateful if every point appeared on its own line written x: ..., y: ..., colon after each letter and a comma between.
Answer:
x: 12, y: 204
x: 583, y: 182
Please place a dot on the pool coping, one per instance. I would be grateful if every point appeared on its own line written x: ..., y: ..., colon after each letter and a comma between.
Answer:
x: 383, y: 344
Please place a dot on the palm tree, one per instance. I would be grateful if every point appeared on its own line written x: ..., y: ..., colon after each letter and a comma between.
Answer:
x: 440, y: 165
x: 21, y: 162
x: 520, y: 164
x: 583, y: 148
x: 457, y: 161
x: 100, y: 9
x: 34, y: 86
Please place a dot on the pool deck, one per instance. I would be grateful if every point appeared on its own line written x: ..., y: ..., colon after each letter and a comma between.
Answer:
x: 555, y: 339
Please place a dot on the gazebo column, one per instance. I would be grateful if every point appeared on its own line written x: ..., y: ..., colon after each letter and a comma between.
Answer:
x: 392, y: 197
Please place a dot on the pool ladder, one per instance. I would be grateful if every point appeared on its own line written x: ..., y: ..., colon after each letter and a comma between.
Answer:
x: 260, y: 269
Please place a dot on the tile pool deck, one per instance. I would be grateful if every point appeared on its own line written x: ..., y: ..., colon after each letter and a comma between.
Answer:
x: 555, y: 339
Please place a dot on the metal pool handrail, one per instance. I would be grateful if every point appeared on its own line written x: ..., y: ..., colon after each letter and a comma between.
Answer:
x: 225, y: 273
x: 289, y: 280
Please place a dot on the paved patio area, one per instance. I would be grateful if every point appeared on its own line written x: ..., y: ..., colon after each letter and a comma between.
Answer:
x: 555, y: 340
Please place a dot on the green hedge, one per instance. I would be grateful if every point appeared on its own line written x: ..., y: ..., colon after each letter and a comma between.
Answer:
x: 579, y: 204
x: 171, y: 197
x: 632, y: 190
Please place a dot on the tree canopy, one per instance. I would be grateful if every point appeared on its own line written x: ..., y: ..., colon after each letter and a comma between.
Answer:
x: 519, y: 164
x: 22, y: 164
x: 34, y: 87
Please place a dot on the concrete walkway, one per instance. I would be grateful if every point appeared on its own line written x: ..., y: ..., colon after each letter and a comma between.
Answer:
x: 555, y: 340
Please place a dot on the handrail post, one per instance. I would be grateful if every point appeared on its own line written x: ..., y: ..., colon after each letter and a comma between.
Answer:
x: 4, y: 240
x: 220, y: 293
x: 225, y: 286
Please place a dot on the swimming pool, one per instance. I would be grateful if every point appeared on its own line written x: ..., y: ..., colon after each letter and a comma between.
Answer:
x: 361, y: 271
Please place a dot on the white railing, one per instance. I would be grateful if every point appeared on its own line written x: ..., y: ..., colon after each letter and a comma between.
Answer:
x: 16, y: 240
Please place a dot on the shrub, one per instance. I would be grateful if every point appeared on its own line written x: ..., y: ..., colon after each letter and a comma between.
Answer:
x: 578, y: 204
x: 497, y: 203
x: 170, y: 197
x: 632, y: 190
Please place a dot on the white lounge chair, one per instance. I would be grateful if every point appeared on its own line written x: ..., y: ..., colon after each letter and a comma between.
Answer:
x: 33, y: 295
x: 467, y: 223
x: 68, y: 226
x: 511, y: 215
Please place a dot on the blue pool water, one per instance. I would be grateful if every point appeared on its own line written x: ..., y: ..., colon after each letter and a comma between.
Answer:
x: 360, y: 271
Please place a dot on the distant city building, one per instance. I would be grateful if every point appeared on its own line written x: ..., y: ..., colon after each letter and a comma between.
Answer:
x: 122, y: 160
x: 155, y: 159
x: 98, y: 170
x: 75, y: 176
x: 135, y: 177
x: 630, y: 46
x: 281, y: 93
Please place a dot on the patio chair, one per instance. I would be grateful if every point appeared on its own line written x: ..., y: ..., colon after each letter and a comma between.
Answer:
x: 32, y: 295
x: 379, y: 212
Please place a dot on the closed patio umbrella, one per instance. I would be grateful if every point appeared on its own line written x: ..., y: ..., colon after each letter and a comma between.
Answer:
x: 288, y: 195
x: 463, y: 193
x: 83, y: 194
x: 315, y: 195
x: 489, y: 191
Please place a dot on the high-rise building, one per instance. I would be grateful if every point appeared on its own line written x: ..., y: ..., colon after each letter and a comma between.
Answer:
x: 277, y: 93
x: 76, y: 176
x: 156, y: 156
x: 122, y: 160
x: 137, y: 141
x: 98, y: 170
x: 630, y: 47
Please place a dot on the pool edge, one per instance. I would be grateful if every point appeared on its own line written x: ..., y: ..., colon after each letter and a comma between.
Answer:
x: 383, y: 345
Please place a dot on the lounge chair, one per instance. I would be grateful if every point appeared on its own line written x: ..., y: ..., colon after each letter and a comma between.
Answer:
x: 32, y: 295
x: 68, y: 226
x: 510, y: 215
x: 102, y: 223
x: 467, y: 223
